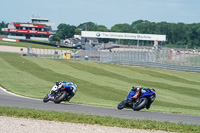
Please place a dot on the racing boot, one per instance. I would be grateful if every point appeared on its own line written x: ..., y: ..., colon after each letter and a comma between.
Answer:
x: 148, y: 105
x: 68, y: 98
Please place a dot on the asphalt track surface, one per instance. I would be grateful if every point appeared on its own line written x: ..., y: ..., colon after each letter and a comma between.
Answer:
x: 11, y: 100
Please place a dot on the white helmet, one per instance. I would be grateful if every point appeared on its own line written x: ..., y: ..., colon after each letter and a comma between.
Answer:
x: 59, y: 84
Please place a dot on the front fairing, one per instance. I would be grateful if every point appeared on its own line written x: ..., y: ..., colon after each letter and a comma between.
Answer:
x: 50, y: 97
x: 130, y: 94
x: 53, y: 92
x: 54, y: 88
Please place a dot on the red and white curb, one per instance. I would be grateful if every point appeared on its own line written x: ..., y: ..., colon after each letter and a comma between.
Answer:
x: 10, y: 40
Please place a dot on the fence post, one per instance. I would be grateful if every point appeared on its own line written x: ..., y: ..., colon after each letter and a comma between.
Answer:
x: 198, y: 57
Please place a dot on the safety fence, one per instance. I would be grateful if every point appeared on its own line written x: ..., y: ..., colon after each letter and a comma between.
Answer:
x: 165, y: 58
x: 48, y: 53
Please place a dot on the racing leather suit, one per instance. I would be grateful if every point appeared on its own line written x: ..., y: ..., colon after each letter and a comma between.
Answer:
x: 138, y: 91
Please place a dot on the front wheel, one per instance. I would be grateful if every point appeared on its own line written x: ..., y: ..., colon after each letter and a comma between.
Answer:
x: 46, y: 99
x: 121, y: 105
x: 60, y: 97
x: 141, y: 104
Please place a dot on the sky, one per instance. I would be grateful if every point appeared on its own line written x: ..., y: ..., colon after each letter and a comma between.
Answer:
x: 100, y: 12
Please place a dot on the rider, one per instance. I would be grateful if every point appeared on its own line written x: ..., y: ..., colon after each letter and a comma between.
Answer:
x: 67, y: 85
x: 138, y: 91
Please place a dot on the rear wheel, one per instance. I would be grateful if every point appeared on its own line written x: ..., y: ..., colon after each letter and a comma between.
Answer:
x: 60, y: 97
x: 141, y: 104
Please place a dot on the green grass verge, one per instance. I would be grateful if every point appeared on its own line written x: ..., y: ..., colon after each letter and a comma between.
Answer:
x: 100, y: 120
x: 100, y: 84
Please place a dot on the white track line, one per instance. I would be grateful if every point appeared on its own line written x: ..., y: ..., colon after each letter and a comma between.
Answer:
x: 62, y: 102
x: 17, y: 95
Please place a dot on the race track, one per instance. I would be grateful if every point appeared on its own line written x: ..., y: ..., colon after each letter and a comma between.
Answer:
x: 8, y: 99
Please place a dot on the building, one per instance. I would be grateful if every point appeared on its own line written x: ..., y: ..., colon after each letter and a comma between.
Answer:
x: 38, y: 29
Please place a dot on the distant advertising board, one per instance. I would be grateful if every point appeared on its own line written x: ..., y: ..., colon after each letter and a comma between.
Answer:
x: 28, y: 31
x: 115, y: 35
x: 29, y: 25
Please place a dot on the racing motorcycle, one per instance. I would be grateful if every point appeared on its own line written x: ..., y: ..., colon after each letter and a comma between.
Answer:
x: 58, y: 95
x: 144, y: 101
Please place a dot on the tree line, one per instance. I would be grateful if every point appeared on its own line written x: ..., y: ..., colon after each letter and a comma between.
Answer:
x: 3, y: 25
x: 177, y: 34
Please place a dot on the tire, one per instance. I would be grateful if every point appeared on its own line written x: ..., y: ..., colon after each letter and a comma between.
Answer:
x: 121, y: 105
x: 142, y: 104
x: 60, y: 97
x: 46, y: 99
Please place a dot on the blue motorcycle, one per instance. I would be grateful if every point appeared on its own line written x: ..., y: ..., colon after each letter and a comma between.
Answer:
x: 58, y: 95
x: 144, y: 101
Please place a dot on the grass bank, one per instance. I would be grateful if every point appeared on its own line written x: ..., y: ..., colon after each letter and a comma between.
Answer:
x: 100, y: 120
x: 100, y: 84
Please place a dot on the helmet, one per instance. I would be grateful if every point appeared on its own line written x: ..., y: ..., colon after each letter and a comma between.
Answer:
x: 134, y: 88
x: 140, y: 87
x: 59, y: 83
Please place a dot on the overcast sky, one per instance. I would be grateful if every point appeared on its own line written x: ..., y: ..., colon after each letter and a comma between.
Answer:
x: 101, y: 12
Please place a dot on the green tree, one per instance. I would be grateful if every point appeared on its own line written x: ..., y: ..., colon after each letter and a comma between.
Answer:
x: 121, y: 28
x: 177, y: 34
x: 137, y: 26
x: 65, y: 31
x: 89, y: 26
x: 77, y: 31
x: 3, y: 25
x: 56, y: 38
x: 102, y: 28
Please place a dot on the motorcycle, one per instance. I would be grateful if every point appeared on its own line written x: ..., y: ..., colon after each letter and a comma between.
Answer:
x: 58, y: 95
x: 144, y: 101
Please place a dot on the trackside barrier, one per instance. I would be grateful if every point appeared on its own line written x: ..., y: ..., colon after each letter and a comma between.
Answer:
x: 179, y: 59
x: 10, y: 40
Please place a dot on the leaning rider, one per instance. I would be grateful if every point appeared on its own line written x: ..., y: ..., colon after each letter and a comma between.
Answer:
x: 138, y: 91
x: 67, y: 85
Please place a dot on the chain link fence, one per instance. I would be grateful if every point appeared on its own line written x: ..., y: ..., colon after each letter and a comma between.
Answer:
x: 164, y: 55
x: 164, y: 58
x: 48, y: 53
